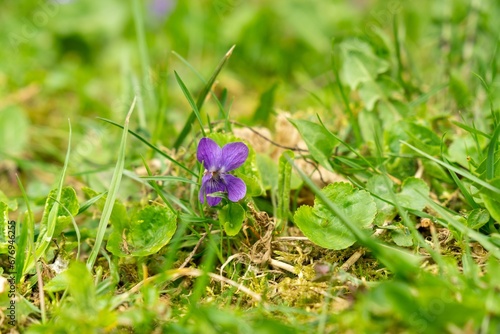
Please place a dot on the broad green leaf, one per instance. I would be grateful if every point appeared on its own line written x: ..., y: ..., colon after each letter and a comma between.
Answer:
x: 324, y: 228
x: 411, y: 194
x: 231, y: 217
x: 382, y: 89
x: 81, y: 287
x: 57, y: 283
x: 269, y: 171
x: 118, y: 217
x: 248, y: 172
x: 463, y: 150
x: 68, y: 207
x: 492, y: 205
x: 266, y: 106
x: 378, y: 186
x: 491, y: 200
x: 360, y: 64
x: 318, y: 140
x: 284, y: 180
x: 478, y: 218
x: 146, y: 232
x: 402, y: 236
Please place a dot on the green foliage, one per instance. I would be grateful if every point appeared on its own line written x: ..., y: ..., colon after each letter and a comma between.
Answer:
x: 407, y: 105
x: 324, y: 228
x: 284, y: 183
x: 68, y: 208
x: 319, y: 141
x: 231, y: 217
x: 84, y: 310
x: 361, y: 65
x: 145, y: 233
x: 478, y: 218
x: 4, y: 227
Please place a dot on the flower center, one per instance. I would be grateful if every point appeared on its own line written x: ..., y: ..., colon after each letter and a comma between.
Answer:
x: 214, y: 175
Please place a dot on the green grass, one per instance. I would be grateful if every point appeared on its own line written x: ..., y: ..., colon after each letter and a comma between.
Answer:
x: 373, y: 175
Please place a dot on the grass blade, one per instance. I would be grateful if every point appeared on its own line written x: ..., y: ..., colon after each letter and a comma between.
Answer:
x: 284, y: 179
x: 447, y: 220
x: 490, y: 159
x: 168, y: 179
x: 46, y: 238
x: 459, y: 171
x: 201, y: 99
x: 396, y: 260
x: 26, y: 239
x: 138, y: 136
x: 190, y: 99
x: 113, y: 191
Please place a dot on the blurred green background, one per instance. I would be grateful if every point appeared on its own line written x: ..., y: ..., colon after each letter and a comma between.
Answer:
x: 79, y: 60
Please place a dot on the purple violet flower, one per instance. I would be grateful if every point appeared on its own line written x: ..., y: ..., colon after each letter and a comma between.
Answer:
x: 218, y: 162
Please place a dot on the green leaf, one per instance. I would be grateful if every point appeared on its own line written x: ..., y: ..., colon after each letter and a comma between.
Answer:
x: 284, y: 181
x: 231, y: 217
x: 373, y: 91
x: 411, y: 194
x: 402, y: 236
x: 324, y: 228
x: 68, y: 207
x: 492, y: 205
x: 113, y: 191
x: 268, y: 169
x: 145, y: 233
x: 478, y: 218
x: 57, y: 283
x: 81, y: 287
x: 492, y: 158
x: 463, y: 150
x: 201, y: 99
x: 378, y: 186
x: 118, y: 217
x: 190, y: 99
x: 45, y: 236
x: 360, y: 64
x: 466, y: 174
x: 266, y: 106
x: 318, y: 140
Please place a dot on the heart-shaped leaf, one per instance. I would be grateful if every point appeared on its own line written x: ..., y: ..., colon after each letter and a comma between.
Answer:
x: 324, y: 228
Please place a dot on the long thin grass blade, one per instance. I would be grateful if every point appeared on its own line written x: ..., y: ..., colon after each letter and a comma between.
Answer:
x: 113, y: 191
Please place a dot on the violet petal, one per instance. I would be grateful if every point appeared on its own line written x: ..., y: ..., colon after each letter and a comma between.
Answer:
x: 233, y: 156
x: 204, y: 181
x: 236, y: 188
x: 210, y: 154
x: 213, y: 186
